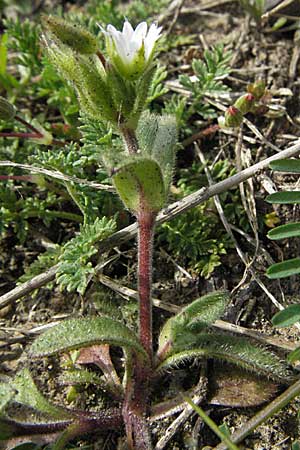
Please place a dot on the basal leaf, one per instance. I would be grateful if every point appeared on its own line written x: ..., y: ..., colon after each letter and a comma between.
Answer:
x: 140, y: 182
x: 287, y: 317
x: 284, y: 269
x: 285, y: 231
x: 195, y: 317
x: 28, y: 394
x: 7, y: 393
x: 286, y: 165
x: 285, y: 197
x: 234, y: 350
x: 84, y: 332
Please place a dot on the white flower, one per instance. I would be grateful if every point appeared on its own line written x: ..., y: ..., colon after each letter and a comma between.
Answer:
x: 131, y: 50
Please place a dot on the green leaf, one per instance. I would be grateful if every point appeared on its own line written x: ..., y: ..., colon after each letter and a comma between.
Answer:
x: 287, y: 317
x: 284, y: 269
x: 296, y: 445
x: 285, y: 231
x: 157, y: 137
x: 28, y: 394
x: 294, y: 356
x: 7, y: 393
x: 140, y: 182
x: 75, y: 268
x: 193, y: 318
x: 286, y: 197
x: 286, y: 165
x: 84, y: 332
x: 234, y: 350
x: 82, y: 376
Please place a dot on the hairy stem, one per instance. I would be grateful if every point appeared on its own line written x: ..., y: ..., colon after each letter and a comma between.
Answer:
x: 146, y: 221
x: 108, y: 419
x: 135, y: 409
x: 130, y: 140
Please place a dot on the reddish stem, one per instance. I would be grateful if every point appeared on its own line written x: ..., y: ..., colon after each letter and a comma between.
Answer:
x: 21, y: 135
x: 146, y: 221
x: 130, y: 140
x: 27, y: 124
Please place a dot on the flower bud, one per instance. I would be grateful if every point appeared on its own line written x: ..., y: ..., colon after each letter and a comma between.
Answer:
x: 80, y: 40
x: 233, y: 117
x: 7, y: 110
x: 257, y: 89
x: 245, y: 103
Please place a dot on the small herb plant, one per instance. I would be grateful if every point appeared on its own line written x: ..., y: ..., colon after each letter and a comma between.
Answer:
x: 112, y: 88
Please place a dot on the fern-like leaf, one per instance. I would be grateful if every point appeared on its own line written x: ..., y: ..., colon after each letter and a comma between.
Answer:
x: 75, y: 266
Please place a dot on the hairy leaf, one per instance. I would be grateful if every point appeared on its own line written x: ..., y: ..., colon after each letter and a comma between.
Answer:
x: 84, y: 332
x: 28, y: 394
x: 193, y: 318
x: 81, y: 376
x: 140, y: 182
x: 7, y: 393
x: 231, y: 349
x: 157, y: 137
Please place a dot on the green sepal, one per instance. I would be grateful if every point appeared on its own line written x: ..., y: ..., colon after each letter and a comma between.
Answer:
x: 87, y: 76
x: 245, y: 103
x: 286, y: 165
x: 84, y: 332
x: 93, y: 90
x: 285, y: 231
x: 233, y: 117
x: 284, y: 197
x: 157, y: 138
x: 140, y: 184
x: 28, y: 394
x: 142, y: 87
x: 287, y: 317
x: 284, y: 269
x: 182, y: 329
x: 72, y: 35
x: 258, y: 89
x: 123, y: 93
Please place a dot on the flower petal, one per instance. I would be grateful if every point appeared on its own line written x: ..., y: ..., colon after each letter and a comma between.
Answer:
x: 127, y: 31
